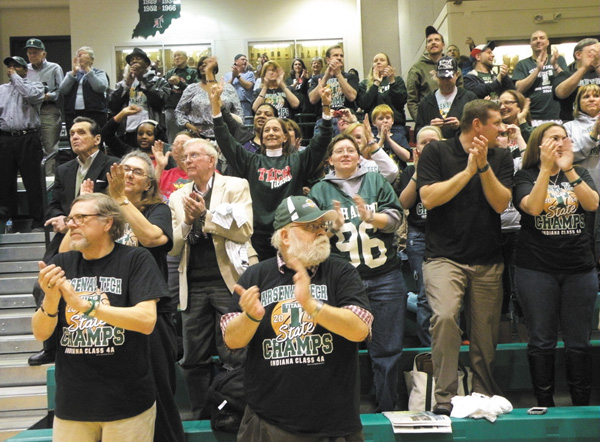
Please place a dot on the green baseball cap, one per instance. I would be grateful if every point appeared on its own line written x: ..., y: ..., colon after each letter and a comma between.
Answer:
x: 300, y: 209
x: 15, y: 59
x: 35, y: 43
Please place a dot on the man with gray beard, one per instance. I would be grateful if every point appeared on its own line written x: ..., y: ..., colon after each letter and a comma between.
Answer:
x: 102, y: 298
x: 301, y: 314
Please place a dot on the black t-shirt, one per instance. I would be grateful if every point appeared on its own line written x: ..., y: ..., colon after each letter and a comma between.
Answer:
x: 466, y: 229
x: 559, y: 239
x: 159, y: 215
x: 277, y: 98
x: 103, y: 372
x: 338, y: 99
x: 417, y: 214
x: 301, y: 377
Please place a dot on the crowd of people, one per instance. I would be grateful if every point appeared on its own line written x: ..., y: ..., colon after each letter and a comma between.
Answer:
x: 283, y: 255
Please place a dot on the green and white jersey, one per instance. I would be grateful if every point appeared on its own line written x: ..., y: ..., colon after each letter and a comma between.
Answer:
x: 367, y: 248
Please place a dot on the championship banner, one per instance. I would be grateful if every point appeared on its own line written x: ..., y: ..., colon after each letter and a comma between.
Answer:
x: 156, y: 16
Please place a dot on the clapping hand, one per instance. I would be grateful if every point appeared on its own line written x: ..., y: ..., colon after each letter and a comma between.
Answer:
x: 116, y: 182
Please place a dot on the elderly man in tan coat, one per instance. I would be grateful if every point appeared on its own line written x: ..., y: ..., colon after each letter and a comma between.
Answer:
x: 212, y: 225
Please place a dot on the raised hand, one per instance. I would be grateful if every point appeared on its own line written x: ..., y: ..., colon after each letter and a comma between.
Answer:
x: 130, y: 110
x: 522, y: 116
x: 158, y: 150
x: 85, y: 62
x: 365, y: 214
x: 554, y: 58
x: 215, y: 92
x: 325, y: 93
x: 194, y: 207
x: 51, y: 278
x: 565, y: 156
x: 250, y: 301
x: 548, y: 154
x: 116, y: 182
x: 280, y: 80
x: 480, y: 149
x: 390, y: 73
x: 339, y: 222
x: 87, y: 186
x: 541, y: 61
x: 301, y: 281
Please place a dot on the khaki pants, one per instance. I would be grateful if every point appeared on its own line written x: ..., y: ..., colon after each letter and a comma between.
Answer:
x: 138, y: 428
x: 450, y: 286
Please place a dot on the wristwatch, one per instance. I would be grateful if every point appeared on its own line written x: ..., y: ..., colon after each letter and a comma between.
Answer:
x: 484, y: 168
x: 124, y: 202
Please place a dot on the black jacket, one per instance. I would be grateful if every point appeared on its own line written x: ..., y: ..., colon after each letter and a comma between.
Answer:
x: 428, y: 110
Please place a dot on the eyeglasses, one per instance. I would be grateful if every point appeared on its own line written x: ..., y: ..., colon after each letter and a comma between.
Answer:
x: 136, y: 172
x: 507, y: 103
x: 79, y: 219
x: 312, y: 227
x: 194, y: 156
x: 349, y: 151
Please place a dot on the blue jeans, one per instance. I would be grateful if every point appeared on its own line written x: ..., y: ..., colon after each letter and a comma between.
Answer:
x: 553, y: 300
x: 415, y: 250
x: 387, y: 297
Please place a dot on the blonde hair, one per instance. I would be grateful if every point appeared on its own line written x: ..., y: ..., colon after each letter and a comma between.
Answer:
x: 594, y: 88
x: 370, y: 76
x: 424, y: 129
x: 381, y: 110
x: 269, y: 65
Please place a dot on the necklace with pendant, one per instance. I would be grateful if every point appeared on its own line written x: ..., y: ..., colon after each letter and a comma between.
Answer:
x: 555, y: 179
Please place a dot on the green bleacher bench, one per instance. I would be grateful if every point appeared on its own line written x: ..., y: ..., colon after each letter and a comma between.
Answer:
x: 559, y: 424
x: 511, y: 373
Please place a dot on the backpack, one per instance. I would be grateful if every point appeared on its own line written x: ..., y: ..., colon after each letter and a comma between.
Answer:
x: 226, y: 400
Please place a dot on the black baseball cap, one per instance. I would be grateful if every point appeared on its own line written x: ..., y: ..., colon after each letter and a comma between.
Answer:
x: 446, y: 67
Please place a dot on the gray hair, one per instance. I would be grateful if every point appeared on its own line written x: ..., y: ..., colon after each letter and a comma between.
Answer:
x: 87, y: 50
x: 583, y: 44
x: 145, y: 158
x: 152, y: 194
x: 107, y: 208
x: 209, y: 148
x: 276, y: 239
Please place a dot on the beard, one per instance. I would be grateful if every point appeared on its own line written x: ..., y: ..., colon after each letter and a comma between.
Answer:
x: 310, y: 254
x: 79, y: 244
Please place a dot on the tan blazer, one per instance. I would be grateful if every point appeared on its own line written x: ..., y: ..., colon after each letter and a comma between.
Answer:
x: 225, y: 189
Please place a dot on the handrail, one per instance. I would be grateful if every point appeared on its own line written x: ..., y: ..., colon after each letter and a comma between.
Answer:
x: 43, y: 175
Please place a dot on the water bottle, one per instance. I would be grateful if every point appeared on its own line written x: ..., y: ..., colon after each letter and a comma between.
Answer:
x: 9, y: 226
